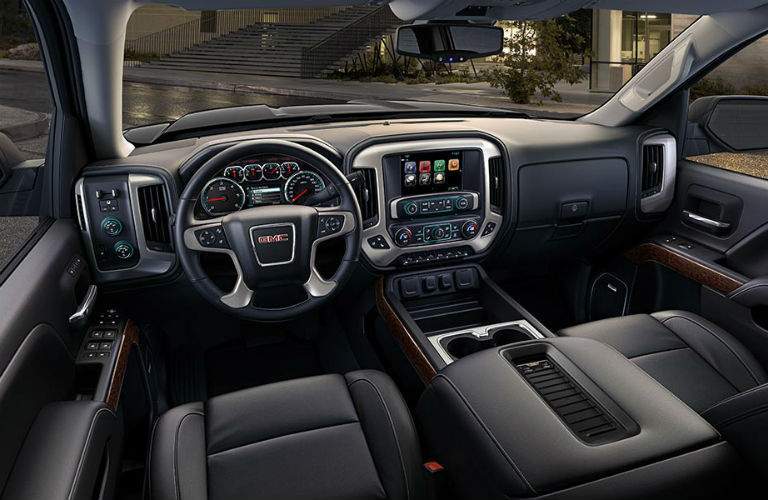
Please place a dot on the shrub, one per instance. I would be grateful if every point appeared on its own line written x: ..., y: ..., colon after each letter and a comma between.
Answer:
x: 711, y: 86
x: 539, y: 55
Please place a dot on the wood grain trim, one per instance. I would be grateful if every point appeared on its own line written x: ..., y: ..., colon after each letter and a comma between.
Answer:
x: 128, y: 339
x: 696, y: 271
x: 412, y: 351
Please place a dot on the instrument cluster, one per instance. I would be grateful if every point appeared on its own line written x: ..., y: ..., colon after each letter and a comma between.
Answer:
x: 263, y: 180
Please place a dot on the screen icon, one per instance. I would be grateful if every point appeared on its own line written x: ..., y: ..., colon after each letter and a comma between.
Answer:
x: 410, y: 167
x: 454, y: 164
x: 425, y: 167
x: 439, y: 177
x: 439, y: 166
x: 410, y: 180
x: 425, y: 179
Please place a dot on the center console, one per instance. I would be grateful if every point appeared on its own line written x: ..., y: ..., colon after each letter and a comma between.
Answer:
x: 437, y: 200
x: 512, y: 411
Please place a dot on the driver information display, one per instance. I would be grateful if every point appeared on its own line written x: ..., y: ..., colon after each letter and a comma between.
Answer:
x: 434, y: 172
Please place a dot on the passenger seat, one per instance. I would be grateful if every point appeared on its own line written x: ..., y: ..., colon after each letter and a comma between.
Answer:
x: 701, y: 364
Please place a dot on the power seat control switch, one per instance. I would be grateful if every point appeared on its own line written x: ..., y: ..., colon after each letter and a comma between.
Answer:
x: 212, y: 237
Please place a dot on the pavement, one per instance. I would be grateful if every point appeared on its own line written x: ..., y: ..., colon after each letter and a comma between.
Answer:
x: 577, y: 99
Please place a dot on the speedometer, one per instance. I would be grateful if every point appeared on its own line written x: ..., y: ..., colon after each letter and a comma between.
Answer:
x: 302, y: 186
x: 222, y: 196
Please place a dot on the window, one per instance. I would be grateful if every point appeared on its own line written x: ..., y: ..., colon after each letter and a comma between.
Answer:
x: 729, y: 109
x: 25, y: 114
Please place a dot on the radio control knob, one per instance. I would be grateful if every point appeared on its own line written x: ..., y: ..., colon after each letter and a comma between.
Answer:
x: 469, y: 229
x: 462, y: 203
x: 403, y: 236
x: 411, y: 208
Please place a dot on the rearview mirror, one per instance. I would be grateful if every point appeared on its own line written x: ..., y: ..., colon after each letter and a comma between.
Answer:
x: 449, y: 43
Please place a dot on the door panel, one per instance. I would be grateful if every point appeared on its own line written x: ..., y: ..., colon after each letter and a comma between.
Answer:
x: 37, y: 366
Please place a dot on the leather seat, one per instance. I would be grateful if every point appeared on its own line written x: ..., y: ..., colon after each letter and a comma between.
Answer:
x: 695, y: 359
x: 327, y: 437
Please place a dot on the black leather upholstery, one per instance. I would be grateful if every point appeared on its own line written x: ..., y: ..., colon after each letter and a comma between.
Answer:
x: 332, y: 436
x: 692, y: 357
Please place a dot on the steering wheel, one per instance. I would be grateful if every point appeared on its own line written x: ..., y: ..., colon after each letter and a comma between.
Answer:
x: 271, y: 246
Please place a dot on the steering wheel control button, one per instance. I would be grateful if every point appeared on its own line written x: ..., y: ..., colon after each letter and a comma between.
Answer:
x: 489, y: 228
x: 378, y: 242
x: 212, y: 237
x: 329, y: 224
x: 112, y: 226
x: 469, y: 229
x: 123, y: 250
x: 274, y: 244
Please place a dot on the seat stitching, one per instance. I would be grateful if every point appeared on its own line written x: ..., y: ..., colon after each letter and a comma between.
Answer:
x: 660, y: 352
x: 85, y: 449
x: 282, y: 436
x: 488, y: 432
x: 394, y: 433
x: 175, y: 452
x: 754, y: 377
x: 151, y: 447
x: 735, y: 396
x: 744, y: 415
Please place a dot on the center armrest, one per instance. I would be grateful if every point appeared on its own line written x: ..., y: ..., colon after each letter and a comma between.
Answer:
x: 545, y: 415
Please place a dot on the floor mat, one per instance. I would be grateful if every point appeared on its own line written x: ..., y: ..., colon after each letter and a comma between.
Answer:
x: 242, y: 364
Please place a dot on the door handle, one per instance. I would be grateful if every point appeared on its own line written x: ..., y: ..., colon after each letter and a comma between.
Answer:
x: 85, y: 308
x: 700, y: 220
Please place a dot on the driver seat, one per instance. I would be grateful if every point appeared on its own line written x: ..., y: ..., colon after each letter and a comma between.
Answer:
x: 326, y: 437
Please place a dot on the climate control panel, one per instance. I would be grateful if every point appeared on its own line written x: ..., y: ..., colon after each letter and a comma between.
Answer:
x: 435, y: 232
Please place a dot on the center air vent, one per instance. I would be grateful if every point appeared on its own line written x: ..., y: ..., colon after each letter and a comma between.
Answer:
x: 154, y: 217
x: 583, y: 416
x: 367, y: 197
x: 496, y: 181
x: 653, y: 169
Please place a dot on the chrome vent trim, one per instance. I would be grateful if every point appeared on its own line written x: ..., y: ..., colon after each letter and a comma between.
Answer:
x: 661, y: 149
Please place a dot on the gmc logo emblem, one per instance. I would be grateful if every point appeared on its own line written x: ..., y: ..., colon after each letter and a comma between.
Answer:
x: 273, y: 238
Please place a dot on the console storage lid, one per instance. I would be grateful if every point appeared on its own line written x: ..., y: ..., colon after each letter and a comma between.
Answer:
x: 503, y: 435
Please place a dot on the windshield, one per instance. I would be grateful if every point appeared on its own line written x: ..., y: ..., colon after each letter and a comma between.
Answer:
x: 180, y: 61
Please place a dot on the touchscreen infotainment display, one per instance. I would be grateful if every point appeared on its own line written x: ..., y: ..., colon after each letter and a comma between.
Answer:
x: 433, y: 172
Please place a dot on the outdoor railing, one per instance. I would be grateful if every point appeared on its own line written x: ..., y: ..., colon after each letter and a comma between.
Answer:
x: 315, y: 59
x: 212, y: 24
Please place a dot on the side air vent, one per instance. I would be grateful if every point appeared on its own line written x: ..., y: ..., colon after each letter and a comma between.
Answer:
x: 80, y: 212
x: 154, y: 217
x: 583, y: 416
x: 653, y: 169
x: 497, y: 184
x: 367, y: 197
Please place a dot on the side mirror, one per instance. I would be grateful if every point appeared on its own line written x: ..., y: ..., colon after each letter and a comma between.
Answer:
x: 735, y: 123
x: 449, y: 42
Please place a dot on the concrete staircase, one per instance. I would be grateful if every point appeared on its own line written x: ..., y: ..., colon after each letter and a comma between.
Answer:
x: 267, y: 49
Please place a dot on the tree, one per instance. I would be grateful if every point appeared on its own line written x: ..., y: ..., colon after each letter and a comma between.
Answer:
x: 539, y: 54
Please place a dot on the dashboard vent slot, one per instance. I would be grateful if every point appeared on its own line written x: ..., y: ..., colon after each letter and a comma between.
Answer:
x: 653, y: 169
x: 154, y: 217
x: 496, y: 184
x: 367, y: 197
x: 583, y: 416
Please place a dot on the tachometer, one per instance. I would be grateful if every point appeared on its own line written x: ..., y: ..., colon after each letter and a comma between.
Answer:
x: 302, y: 186
x: 222, y: 196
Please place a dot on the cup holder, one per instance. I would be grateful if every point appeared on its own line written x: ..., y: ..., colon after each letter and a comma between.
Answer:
x: 464, y: 344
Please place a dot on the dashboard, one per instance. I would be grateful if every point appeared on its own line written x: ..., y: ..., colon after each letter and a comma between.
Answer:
x: 262, y: 180
x: 521, y: 192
